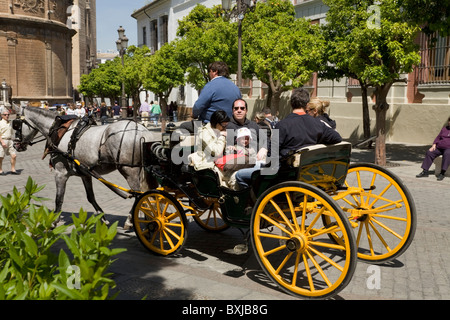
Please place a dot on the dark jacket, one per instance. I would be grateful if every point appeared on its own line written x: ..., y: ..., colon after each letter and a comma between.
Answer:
x: 325, y: 117
x: 297, y: 131
x: 442, y: 141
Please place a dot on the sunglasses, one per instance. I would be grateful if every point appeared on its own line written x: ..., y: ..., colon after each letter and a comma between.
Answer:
x: 237, y: 108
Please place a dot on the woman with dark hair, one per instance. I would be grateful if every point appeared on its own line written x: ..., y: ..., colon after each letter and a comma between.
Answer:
x: 210, y: 141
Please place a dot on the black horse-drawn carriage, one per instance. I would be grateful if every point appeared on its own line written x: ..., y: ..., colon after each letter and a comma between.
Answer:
x: 308, y: 222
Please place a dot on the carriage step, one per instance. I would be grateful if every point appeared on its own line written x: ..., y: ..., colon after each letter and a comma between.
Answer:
x: 192, y: 194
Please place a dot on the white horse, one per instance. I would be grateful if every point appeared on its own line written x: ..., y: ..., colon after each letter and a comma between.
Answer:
x: 102, y: 149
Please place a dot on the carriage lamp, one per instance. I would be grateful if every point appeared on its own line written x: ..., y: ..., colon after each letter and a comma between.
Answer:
x: 122, y: 45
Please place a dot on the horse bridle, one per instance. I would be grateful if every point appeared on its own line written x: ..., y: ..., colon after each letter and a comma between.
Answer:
x: 19, y: 144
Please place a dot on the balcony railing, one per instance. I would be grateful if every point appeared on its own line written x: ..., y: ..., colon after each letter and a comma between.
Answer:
x: 434, y: 68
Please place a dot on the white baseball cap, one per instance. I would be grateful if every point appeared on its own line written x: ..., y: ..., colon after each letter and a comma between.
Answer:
x: 243, y: 132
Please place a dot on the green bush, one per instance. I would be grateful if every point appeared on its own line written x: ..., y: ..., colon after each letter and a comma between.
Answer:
x: 32, y: 267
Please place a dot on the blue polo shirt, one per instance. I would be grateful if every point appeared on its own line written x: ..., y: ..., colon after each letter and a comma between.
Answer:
x: 217, y: 94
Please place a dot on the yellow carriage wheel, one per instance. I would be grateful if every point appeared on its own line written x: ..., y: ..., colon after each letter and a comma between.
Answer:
x: 159, y: 222
x: 210, y: 219
x: 292, y: 245
x: 384, y: 211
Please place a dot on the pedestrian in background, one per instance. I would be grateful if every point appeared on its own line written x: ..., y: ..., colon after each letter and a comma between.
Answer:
x: 116, y: 111
x: 156, y: 111
x: 80, y: 110
x: 440, y: 147
x: 71, y: 109
x: 175, y: 111
x: 144, y: 111
x: 6, y: 136
x: 103, y: 113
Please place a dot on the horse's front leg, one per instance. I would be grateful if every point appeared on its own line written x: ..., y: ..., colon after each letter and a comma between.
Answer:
x: 87, y: 182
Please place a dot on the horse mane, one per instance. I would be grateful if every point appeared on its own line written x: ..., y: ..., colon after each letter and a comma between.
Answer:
x: 41, y: 111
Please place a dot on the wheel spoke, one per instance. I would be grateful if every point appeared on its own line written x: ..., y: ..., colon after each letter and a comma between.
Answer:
x: 169, y: 240
x: 319, y: 269
x: 267, y: 253
x: 173, y: 233
x: 292, y: 210
x: 327, y: 245
x: 369, y: 238
x: 270, y: 235
x: 270, y: 220
x: 283, y: 263
x: 308, y: 273
x: 385, y: 227
x: 281, y: 213
x: 379, y: 236
x: 330, y: 261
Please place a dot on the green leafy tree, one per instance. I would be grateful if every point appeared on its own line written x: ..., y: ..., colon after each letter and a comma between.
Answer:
x: 163, y: 71
x: 279, y: 49
x: 205, y: 37
x: 103, y: 82
x: 433, y: 15
x: 370, y: 41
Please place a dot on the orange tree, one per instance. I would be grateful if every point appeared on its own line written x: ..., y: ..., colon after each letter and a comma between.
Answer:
x: 370, y: 41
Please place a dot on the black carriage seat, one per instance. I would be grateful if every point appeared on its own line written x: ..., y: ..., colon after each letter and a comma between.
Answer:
x: 322, y: 165
x: 206, y: 181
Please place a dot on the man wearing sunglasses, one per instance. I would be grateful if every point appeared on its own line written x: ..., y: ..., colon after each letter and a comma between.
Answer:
x: 6, y: 136
x: 257, y: 142
x: 240, y: 120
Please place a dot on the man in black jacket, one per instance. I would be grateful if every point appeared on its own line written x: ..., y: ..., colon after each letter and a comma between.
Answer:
x: 299, y: 129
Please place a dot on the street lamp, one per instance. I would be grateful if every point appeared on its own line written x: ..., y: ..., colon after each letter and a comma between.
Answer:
x: 122, y: 45
x: 238, y: 12
x: 5, y: 94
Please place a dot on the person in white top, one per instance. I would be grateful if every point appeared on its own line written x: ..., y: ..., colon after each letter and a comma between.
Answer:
x: 80, y: 111
x: 71, y: 109
x: 6, y: 136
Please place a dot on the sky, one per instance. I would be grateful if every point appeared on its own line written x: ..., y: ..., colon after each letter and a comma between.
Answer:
x: 111, y: 14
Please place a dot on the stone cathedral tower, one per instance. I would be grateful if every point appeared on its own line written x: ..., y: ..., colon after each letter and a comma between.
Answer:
x: 36, y: 49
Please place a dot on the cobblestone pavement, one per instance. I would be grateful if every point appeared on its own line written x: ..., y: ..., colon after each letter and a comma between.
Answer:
x: 206, y: 268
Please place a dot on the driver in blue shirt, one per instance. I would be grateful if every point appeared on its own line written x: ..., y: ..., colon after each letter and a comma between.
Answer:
x: 218, y: 94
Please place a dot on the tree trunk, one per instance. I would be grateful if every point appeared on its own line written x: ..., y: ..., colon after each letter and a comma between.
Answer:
x: 276, y: 89
x: 275, y: 101
x: 366, y: 116
x: 381, y: 107
x: 269, y: 97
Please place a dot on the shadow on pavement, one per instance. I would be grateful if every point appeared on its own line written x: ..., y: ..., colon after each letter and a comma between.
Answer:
x: 394, y: 152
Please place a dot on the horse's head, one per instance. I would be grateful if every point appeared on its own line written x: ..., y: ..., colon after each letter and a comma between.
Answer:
x: 25, y: 132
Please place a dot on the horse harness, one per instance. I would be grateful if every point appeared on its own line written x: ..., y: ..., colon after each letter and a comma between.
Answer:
x: 59, y: 128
